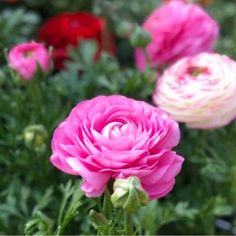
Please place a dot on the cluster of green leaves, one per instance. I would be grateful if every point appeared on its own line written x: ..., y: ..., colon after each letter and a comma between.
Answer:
x: 85, y: 79
x: 41, y: 224
x: 25, y: 190
x: 224, y: 13
x: 16, y: 26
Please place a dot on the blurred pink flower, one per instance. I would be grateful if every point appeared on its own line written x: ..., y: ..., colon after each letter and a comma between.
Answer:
x: 117, y: 137
x: 199, y: 91
x: 178, y: 29
x: 25, y: 57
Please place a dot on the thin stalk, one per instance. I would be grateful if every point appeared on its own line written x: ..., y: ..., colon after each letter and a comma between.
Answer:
x: 35, y: 93
x: 232, y: 187
x: 147, y: 58
x: 98, y: 203
x: 59, y: 220
x: 59, y: 230
x: 107, y: 207
x: 128, y: 224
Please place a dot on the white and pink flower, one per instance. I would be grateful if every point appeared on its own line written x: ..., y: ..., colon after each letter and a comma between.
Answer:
x: 199, y: 91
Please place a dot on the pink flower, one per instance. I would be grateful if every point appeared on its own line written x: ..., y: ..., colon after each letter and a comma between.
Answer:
x: 117, y: 137
x: 199, y: 91
x: 25, y: 57
x: 178, y: 29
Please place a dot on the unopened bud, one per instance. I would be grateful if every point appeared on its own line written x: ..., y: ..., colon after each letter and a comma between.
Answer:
x: 129, y: 194
x: 98, y: 219
x: 140, y: 38
x: 124, y: 29
x: 29, y: 60
x: 35, y: 137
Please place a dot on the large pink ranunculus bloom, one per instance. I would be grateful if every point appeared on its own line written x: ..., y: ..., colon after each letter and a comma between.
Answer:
x: 25, y: 57
x: 117, y: 137
x: 178, y: 29
x: 199, y: 91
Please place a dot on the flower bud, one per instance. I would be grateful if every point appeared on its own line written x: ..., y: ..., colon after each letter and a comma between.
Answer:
x: 124, y: 29
x: 129, y: 194
x: 28, y: 59
x: 35, y: 137
x: 98, y: 219
x: 140, y: 38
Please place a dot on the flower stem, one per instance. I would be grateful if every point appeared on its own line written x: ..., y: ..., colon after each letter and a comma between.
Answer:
x: 59, y: 220
x: 147, y: 58
x: 35, y: 93
x: 98, y: 203
x: 128, y: 224
x: 107, y: 207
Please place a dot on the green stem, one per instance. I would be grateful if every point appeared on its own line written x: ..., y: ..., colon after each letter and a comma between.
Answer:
x: 128, y: 224
x: 147, y: 58
x: 59, y: 220
x: 35, y: 93
x: 107, y: 207
x: 232, y: 189
x: 59, y: 230
x: 98, y: 203
x: 105, y: 40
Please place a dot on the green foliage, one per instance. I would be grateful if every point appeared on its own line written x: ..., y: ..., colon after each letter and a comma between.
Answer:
x: 158, y: 214
x: 41, y: 224
x: 85, y: 79
x: 16, y: 26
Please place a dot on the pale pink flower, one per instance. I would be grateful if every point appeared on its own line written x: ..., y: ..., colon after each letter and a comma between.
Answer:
x: 199, y: 91
x: 116, y: 137
x: 178, y: 29
x: 26, y: 57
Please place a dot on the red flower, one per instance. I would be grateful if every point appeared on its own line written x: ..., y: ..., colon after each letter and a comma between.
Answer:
x: 10, y: 1
x: 69, y: 28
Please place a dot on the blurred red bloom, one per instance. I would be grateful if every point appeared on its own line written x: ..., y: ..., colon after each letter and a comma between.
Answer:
x: 68, y: 29
x: 9, y: 1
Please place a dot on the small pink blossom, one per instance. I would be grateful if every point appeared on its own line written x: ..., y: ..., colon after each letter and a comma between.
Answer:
x: 116, y: 137
x: 199, y: 91
x: 178, y: 29
x: 25, y: 57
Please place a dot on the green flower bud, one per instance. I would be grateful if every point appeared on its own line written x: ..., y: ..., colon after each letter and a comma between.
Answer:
x: 98, y: 219
x: 140, y: 38
x: 124, y: 29
x: 129, y: 194
x: 35, y: 137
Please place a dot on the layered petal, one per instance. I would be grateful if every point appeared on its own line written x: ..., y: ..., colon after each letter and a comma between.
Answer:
x: 24, y: 58
x: 116, y: 137
x: 199, y: 91
x: 187, y: 31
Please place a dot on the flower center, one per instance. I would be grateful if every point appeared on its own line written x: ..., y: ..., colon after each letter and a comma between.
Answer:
x: 28, y: 54
x: 195, y: 70
x: 116, y: 130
